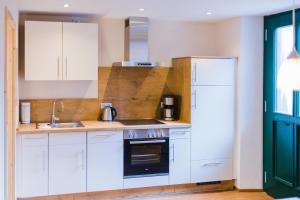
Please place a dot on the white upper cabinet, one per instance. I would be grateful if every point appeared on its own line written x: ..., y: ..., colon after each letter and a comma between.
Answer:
x: 61, y: 51
x: 43, y: 50
x: 80, y: 51
x: 219, y: 71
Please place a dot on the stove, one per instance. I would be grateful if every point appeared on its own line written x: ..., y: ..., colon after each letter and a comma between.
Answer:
x: 140, y: 122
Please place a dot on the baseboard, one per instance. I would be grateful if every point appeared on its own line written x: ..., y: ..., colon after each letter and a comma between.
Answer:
x: 249, y: 190
x: 147, y: 191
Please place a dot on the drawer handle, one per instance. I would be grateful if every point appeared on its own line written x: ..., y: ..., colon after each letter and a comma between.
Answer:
x: 37, y: 138
x: 103, y: 136
x: 211, y: 164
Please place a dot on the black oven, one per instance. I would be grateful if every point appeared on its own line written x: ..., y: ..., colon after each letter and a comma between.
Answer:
x: 146, y: 152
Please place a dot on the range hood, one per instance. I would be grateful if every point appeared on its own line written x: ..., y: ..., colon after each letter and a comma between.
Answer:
x: 136, y: 52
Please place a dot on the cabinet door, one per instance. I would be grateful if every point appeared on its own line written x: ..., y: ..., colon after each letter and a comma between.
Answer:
x: 80, y: 51
x: 180, y: 161
x: 213, y: 71
x: 212, y: 122
x: 34, y: 165
x: 105, y: 172
x: 67, y: 164
x: 43, y: 50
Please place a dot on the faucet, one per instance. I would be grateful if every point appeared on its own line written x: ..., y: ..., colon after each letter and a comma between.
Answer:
x: 53, y: 117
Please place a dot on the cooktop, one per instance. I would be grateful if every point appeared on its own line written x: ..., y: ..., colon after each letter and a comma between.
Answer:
x: 140, y: 122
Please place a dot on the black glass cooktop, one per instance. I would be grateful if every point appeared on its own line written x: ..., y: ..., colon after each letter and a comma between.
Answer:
x: 140, y: 122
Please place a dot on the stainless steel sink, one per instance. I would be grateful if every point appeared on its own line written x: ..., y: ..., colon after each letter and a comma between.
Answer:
x: 59, y: 125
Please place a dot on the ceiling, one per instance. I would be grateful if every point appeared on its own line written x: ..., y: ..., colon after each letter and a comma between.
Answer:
x: 161, y: 9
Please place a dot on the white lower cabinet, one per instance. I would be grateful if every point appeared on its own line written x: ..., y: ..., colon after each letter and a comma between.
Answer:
x: 67, y: 163
x: 180, y: 157
x: 105, y: 161
x: 32, y: 161
x: 212, y: 170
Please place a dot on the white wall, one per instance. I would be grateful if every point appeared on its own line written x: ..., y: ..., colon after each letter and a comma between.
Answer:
x: 243, y: 37
x: 14, y: 11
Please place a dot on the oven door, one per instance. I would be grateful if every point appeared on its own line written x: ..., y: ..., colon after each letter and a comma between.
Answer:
x: 146, y: 157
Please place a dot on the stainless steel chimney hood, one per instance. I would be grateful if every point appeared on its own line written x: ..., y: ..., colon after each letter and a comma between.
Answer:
x: 136, y: 51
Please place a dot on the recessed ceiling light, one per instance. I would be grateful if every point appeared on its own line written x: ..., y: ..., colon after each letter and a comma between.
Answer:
x: 66, y: 5
x: 141, y: 9
x: 208, y: 13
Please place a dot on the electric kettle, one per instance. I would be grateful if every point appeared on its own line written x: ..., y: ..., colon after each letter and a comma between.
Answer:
x: 109, y: 113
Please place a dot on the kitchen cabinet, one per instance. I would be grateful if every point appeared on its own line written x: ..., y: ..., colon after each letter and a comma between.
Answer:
x: 61, y: 51
x: 32, y: 165
x: 43, y: 50
x: 105, y: 160
x: 180, y: 157
x: 80, y: 51
x: 67, y: 163
x: 212, y: 118
x: 207, y: 71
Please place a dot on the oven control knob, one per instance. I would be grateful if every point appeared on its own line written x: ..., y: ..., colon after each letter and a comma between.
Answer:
x: 150, y: 135
x: 162, y: 134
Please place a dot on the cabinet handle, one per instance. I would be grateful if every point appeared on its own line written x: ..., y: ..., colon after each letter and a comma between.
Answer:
x: 66, y: 67
x: 211, y: 164
x: 58, y: 72
x: 195, y: 72
x: 82, y: 157
x: 44, y: 160
x: 35, y: 138
x: 173, y: 153
x: 195, y: 100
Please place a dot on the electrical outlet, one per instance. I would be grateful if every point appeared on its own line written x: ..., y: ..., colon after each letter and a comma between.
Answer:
x: 103, y: 105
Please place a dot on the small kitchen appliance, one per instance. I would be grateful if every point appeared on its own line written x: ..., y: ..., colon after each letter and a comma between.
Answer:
x: 109, y: 113
x: 170, y: 107
x: 25, y: 112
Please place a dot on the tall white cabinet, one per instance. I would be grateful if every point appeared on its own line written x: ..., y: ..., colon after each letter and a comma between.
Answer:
x: 61, y: 51
x: 212, y: 117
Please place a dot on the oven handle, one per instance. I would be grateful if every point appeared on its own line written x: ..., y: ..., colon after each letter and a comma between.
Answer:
x: 147, y: 142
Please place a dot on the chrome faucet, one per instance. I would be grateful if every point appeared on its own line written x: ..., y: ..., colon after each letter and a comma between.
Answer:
x: 54, y: 118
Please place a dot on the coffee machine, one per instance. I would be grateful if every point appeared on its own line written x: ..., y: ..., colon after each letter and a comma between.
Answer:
x: 170, y: 107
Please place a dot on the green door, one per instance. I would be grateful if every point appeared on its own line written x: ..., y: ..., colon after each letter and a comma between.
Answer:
x: 281, y: 113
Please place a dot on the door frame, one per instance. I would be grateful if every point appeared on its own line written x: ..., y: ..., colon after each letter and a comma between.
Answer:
x: 10, y: 95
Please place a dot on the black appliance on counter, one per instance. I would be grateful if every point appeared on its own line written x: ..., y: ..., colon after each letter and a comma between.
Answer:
x: 170, y: 107
x: 146, y: 152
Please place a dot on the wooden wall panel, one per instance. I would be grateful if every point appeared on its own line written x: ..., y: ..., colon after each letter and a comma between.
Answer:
x: 74, y: 110
x: 134, y: 92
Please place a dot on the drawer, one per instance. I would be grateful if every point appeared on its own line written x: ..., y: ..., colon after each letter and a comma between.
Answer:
x: 150, y: 181
x: 180, y: 134
x: 67, y: 138
x: 105, y: 136
x: 35, y: 139
x: 212, y: 170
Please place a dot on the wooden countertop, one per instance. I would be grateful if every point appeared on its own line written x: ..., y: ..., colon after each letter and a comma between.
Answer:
x: 98, y: 126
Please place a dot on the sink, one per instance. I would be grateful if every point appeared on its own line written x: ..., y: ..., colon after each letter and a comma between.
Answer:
x: 59, y: 125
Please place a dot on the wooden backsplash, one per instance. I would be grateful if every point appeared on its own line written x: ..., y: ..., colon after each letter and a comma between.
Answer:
x: 74, y: 110
x: 134, y: 92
